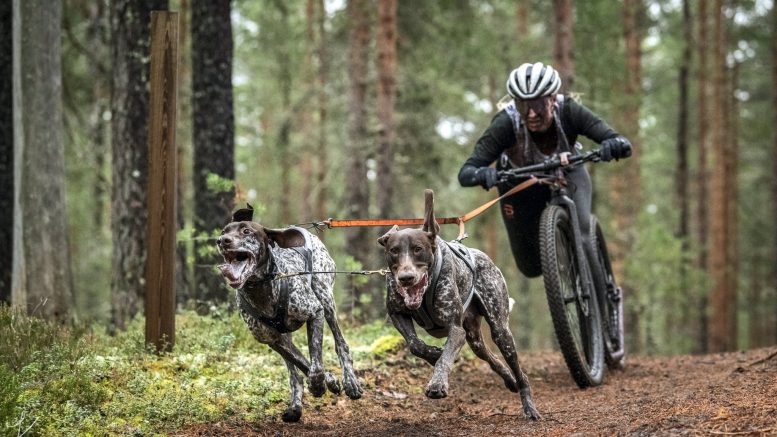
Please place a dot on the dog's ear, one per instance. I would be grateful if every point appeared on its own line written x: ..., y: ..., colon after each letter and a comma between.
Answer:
x: 382, y: 240
x: 243, y: 214
x: 430, y: 224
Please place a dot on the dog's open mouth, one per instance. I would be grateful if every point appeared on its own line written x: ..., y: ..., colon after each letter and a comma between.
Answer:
x: 414, y: 294
x: 238, y: 267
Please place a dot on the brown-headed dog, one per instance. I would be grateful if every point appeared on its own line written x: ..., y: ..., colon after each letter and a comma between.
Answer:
x: 448, y: 289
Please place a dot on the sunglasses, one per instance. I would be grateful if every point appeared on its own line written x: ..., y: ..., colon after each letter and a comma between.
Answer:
x: 539, y: 105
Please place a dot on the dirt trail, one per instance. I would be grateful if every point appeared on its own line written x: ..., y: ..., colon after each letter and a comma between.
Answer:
x: 723, y: 394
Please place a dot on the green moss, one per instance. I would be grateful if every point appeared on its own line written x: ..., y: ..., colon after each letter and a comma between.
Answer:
x: 387, y: 345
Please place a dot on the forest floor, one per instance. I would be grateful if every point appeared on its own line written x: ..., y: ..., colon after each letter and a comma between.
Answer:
x: 721, y: 394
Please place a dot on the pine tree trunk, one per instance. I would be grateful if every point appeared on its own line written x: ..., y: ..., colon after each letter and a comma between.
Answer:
x: 130, y: 21
x: 625, y: 185
x: 358, y: 239
x: 722, y: 325
x: 214, y: 138
x: 681, y: 172
x: 563, y: 57
x: 702, y: 191
x: 6, y: 150
x: 183, y: 291
x: 42, y: 281
x: 386, y: 44
x: 321, y: 81
x: 307, y: 127
x: 773, y: 267
x: 521, y: 18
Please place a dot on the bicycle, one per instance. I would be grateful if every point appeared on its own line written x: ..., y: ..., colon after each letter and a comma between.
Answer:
x: 585, y: 302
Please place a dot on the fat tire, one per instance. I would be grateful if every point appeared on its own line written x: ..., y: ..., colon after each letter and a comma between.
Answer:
x: 584, y: 357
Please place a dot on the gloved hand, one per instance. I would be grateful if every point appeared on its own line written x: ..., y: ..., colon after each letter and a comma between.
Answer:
x: 615, y: 148
x: 486, y: 177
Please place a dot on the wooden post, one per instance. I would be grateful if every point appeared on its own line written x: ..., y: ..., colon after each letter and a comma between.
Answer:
x: 160, y: 261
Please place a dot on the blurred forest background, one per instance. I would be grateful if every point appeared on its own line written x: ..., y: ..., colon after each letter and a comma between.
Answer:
x: 317, y: 109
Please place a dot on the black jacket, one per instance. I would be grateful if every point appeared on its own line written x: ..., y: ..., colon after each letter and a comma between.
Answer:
x: 576, y: 120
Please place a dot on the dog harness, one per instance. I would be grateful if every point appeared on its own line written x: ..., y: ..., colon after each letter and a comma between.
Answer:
x: 422, y: 315
x: 278, y: 321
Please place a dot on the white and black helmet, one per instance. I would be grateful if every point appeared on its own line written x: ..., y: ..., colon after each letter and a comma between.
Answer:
x: 530, y: 81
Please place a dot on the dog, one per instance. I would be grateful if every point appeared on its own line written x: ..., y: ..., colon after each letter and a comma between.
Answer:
x: 447, y: 289
x: 273, y: 306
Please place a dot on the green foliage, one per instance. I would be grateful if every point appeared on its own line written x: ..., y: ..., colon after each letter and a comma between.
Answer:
x: 218, y: 184
x: 56, y: 381
x: 388, y: 344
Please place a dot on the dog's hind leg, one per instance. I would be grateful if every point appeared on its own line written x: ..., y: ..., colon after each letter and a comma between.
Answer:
x: 350, y: 382
x: 290, y: 353
x: 294, y: 411
x: 316, y: 373
x: 500, y: 333
x: 475, y: 340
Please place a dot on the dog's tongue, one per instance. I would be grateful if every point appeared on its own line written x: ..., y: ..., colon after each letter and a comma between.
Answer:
x: 414, y: 294
x: 234, y: 272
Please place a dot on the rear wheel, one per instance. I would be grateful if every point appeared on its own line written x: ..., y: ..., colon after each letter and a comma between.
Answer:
x: 574, y: 309
x: 610, y: 298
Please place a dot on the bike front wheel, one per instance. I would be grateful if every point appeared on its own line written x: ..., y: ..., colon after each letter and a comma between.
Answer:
x: 573, y: 307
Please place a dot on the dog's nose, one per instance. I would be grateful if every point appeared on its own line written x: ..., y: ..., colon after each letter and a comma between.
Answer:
x: 223, y: 240
x: 406, y: 278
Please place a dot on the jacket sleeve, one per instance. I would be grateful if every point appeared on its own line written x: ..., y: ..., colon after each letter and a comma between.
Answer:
x: 496, y: 138
x: 586, y: 123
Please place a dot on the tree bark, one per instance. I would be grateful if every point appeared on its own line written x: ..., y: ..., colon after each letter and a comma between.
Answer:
x: 682, y: 178
x: 130, y: 21
x: 6, y: 150
x: 183, y: 291
x: 358, y: 239
x: 563, y: 51
x: 321, y: 81
x: 42, y: 280
x: 773, y: 268
x: 722, y: 326
x: 702, y: 191
x: 625, y: 185
x: 386, y: 44
x: 214, y: 138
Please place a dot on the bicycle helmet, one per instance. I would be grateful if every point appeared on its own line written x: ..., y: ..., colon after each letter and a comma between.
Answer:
x: 530, y: 81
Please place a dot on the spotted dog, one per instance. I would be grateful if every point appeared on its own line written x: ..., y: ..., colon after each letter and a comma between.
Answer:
x: 447, y: 289
x: 274, y: 306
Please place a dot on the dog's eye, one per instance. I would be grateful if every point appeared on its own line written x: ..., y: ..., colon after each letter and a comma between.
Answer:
x: 394, y: 250
x: 417, y: 249
x: 246, y: 231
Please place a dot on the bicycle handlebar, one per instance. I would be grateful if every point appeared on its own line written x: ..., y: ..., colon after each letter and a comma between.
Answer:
x: 551, y: 163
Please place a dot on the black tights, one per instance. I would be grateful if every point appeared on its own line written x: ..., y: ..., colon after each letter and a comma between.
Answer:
x: 521, y: 213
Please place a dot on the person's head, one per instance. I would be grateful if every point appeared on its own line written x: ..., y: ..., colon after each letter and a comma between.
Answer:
x: 533, y: 87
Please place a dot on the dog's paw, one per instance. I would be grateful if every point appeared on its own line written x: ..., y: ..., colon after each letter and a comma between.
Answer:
x: 332, y: 383
x: 437, y: 390
x: 352, y: 387
x: 292, y: 414
x: 316, y: 384
x: 531, y: 412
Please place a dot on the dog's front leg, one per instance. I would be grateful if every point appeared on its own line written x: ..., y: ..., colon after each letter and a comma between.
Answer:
x: 315, y: 338
x: 294, y: 411
x: 438, y: 385
x: 404, y: 325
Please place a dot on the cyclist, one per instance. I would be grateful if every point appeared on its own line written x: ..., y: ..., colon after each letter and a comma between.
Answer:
x: 536, y: 124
